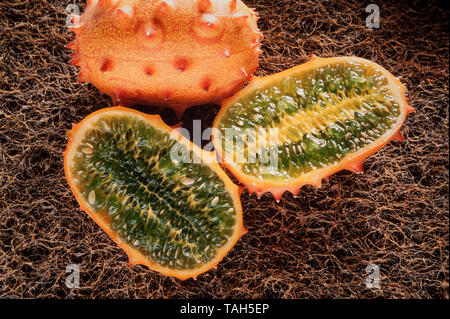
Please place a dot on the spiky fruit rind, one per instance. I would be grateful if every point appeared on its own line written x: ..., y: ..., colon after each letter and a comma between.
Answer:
x: 177, y: 215
x: 175, y: 53
x: 328, y: 115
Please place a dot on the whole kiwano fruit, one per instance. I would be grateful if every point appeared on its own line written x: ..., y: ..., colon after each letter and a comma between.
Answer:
x: 176, y: 53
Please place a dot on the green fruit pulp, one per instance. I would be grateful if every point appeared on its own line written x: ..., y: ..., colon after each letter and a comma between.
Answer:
x: 177, y: 214
x: 321, y: 116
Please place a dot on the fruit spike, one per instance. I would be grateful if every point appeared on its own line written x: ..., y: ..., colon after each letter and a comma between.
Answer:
x: 209, y: 20
x: 356, y: 166
x: 240, y: 19
x: 233, y: 4
x: 75, y: 29
x: 75, y: 59
x: 244, y: 72
x: 184, y: 233
x: 398, y: 137
x: 164, y: 7
x: 330, y: 115
x: 71, y: 45
x: 216, y: 38
x: 82, y: 76
x: 204, y: 6
x: 125, y: 12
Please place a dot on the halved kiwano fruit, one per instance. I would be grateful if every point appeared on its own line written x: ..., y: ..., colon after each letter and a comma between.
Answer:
x: 163, y: 200
x: 301, y: 125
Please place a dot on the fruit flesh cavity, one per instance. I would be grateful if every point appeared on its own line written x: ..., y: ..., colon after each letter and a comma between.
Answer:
x: 174, y: 53
x: 177, y: 218
x: 325, y: 115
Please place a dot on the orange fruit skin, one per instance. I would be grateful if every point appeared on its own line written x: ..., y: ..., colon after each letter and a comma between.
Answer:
x: 175, y: 53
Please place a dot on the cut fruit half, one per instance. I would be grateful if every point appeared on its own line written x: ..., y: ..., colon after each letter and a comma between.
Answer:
x: 163, y: 200
x: 299, y: 126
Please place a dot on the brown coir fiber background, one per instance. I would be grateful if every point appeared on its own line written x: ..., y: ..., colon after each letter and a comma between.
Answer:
x: 395, y: 215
